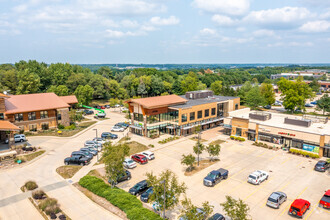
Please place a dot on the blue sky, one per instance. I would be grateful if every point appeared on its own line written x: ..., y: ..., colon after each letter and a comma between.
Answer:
x: 165, y: 31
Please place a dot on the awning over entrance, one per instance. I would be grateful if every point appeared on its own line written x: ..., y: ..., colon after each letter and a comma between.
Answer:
x: 136, y: 127
x: 7, y: 126
x: 208, y: 122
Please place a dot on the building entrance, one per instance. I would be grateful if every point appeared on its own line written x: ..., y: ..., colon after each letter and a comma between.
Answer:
x: 326, y: 152
x: 287, y: 143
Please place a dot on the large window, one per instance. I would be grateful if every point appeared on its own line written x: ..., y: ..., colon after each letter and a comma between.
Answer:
x: 19, y: 117
x: 192, y: 116
x: 206, y: 112
x: 43, y: 114
x: 183, y: 117
x: 138, y: 117
x: 32, y: 116
x: 199, y: 114
x: 297, y: 144
x: 213, y: 111
x: 33, y: 127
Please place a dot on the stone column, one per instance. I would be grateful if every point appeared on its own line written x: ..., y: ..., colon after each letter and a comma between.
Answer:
x: 322, y: 138
x: 65, y: 118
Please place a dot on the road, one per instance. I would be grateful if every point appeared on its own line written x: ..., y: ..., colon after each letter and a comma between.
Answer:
x: 15, y: 205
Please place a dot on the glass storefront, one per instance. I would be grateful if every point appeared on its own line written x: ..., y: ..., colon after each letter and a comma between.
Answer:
x: 168, y: 116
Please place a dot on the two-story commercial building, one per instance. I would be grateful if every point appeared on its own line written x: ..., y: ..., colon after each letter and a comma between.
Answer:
x: 179, y: 115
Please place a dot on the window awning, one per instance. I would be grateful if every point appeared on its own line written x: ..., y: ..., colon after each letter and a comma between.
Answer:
x: 208, y: 122
x: 136, y: 127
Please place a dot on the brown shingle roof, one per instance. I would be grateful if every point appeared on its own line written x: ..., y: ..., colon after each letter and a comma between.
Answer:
x: 3, y: 95
x: 7, y: 126
x: 70, y: 99
x: 158, y: 101
x: 33, y: 102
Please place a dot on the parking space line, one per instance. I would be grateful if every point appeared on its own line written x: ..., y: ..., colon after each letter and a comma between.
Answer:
x: 232, y: 177
x: 256, y: 190
x: 286, y: 160
x: 273, y: 157
x: 261, y: 154
x: 283, y: 187
x: 311, y: 211
x: 300, y: 163
x: 287, y: 207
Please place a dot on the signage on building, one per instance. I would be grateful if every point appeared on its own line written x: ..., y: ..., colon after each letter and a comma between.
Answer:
x: 288, y: 134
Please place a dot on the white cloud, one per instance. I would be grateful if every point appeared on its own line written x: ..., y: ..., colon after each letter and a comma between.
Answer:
x: 263, y: 33
x: 120, y: 34
x: 279, y: 17
x: 325, y: 15
x: 316, y: 26
x: 20, y: 8
x: 229, y: 7
x: 172, y: 20
x: 208, y: 31
x: 129, y: 23
x: 223, y: 20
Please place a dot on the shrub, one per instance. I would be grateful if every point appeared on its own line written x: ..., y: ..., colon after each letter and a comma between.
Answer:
x: 47, y: 203
x: 232, y: 137
x: 70, y: 127
x: 128, y: 203
x: 38, y: 194
x: 151, y: 145
x: 52, y: 209
x: 60, y: 126
x: 31, y: 185
x: 304, y: 153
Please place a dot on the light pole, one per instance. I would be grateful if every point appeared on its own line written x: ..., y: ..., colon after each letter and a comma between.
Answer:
x: 95, y: 129
x: 163, y: 182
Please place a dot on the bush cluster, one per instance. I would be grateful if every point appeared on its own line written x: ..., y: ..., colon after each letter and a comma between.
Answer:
x: 123, y: 200
x: 30, y: 185
x: 60, y: 126
x: 237, y: 138
x: 303, y: 153
x: 151, y: 145
x: 38, y: 194
x: 264, y: 145
x: 50, y: 206
x: 70, y: 127
x: 168, y: 140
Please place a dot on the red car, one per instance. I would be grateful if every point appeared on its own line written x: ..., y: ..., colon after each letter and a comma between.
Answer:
x: 139, y: 158
x: 299, y: 207
x: 102, y: 107
x: 325, y: 201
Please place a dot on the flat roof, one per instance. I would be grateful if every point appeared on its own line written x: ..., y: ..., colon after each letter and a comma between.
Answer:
x: 277, y: 120
x: 33, y: 102
x: 193, y: 102
x: 158, y: 101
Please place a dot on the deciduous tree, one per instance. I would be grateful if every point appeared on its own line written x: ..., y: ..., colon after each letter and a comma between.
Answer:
x: 28, y: 82
x: 84, y: 94
x: 216, y: 87
x: 268, y: 93
x: 191, y: 212
x: 236, y: 209
x: 188, y: 160
x: 254, y: 98
x: 213, y: 150
x: 323, y: 104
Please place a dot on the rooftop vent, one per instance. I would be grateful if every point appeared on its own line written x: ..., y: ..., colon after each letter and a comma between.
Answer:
x: 261, y: 116
x: 199, y: 94
x: 298, y: 121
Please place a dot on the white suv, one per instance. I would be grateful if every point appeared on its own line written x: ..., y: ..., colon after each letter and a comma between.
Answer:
x: 257, y: 177
x: 150, y: 155
x: 18, y: 138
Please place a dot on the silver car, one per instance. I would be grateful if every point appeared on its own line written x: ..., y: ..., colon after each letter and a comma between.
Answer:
x: 129, y: 163
x: 276, y: 199
x: 94, y: 144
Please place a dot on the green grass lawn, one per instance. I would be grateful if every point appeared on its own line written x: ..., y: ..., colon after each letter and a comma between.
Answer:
x: 219, y: 141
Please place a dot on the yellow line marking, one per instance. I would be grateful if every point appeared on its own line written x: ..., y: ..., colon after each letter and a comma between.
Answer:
x: 300, y: 163
x: 272, y: 158
x: 231, y: 176
x: 283, y: 187
x: 302, y: 192
x: 256, y: 190
x: 286, y: 160
x: 261, y: 154
x: 287, y: 207
x: 311, y: 211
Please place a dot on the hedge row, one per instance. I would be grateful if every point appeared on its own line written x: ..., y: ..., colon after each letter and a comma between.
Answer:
x: 303, y: 153
x: 118, y: 197
x: 237, y: 138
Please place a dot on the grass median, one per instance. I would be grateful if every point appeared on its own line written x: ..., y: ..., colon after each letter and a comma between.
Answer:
x: 29, y: 157
x: 68, y: 171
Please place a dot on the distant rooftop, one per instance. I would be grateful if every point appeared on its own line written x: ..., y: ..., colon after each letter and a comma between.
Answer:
x: 193, y: 102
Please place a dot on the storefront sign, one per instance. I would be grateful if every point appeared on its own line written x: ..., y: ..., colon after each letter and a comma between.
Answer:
x: 311, y: 148
x: 288, y: 134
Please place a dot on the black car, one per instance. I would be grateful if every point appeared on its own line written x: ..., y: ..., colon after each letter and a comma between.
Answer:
x: 82, y: 153
x: 107, y: 135
x: 81, y: 160
x: 146, y: 195
x: 322, y: 166
x: 217, y: 216
x: 267, y: 107
x: 122, y: 177
x: 139, y: 188
x: 88, y: 112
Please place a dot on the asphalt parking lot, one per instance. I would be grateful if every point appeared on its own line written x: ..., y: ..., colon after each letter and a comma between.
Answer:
x: 290, y: 174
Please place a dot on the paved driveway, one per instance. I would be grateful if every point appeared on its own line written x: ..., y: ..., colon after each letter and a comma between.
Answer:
x: 15, y: 205
x: 288, y: 173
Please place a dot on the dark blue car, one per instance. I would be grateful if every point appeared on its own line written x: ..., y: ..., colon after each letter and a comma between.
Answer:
x: 107, y: 135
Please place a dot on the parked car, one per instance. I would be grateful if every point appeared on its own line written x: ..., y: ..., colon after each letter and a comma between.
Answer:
x: 139, y: 158
x: 217, y: 216
x: 102, y: 107
x: 99, y: 140
x: 215, y: 176
x: 124, y: 109
x: 101, y: 115
x: 149, y: 155
x: 314, y: 102
x: 276, y: 199
x: 309, y: 105
x: 139, y: 188
x: 90, y: 150
x: 117, y: 128
x: 299, y: 207
x: 122, y: 177
x: 319, y: 93
x: 199, y: 212
x: 146, y: 195
x: 107, y: 135
x: 88, y: 112
x: 257, y: 177
x: 94, y: 144
x: 17, y: 138
x: 122, y: 124
x: 129, y: 163
x: 325, y: 200
x: 81, y: 160
x: 82, y: 153
x: 117, y: 106
x: 267, y: 107
x: 322, y: 166
x: 107, y: 106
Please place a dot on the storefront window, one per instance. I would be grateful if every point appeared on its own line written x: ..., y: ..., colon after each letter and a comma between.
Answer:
x: 184, y: 118
x: 297, y: 144
x: 206, y: 112
x: 138, y: 117
x: 264, y: 138
x: 213, y: 111
x: 192, y: 116
x: 200, y: 114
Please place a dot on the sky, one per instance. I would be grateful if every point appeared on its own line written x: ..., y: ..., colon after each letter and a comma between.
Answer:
x: 165, y: 31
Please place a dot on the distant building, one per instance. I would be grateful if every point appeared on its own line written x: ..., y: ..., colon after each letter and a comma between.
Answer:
x: 315, y: 73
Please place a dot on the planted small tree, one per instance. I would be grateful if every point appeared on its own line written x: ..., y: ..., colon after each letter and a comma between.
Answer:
x: 198, y: 149
x: 188, y: 160
x: 213, y: 150
x: 192, y: 212
x: 166, y: 184
x: 114, y: 156
x: 236, y: 209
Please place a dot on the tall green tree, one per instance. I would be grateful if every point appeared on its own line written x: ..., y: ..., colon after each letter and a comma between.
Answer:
x: 173, y: 189
x: 188, y: 160
x: 243, y: 91
x: 8, y: 79
x: 84, y: 94
x: 198, y: 149
x: 213, y: 150
x: 189, y: 83
x: 236, y: 209
x: 323, y: 104
x: 254, y: 98
x: 216, y: 87
x: 191, y: 212
x: 268, y: 93
x: 294, y: 93
x: 28, y: 82
x: 314, y: 85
